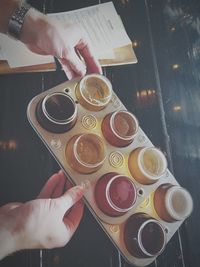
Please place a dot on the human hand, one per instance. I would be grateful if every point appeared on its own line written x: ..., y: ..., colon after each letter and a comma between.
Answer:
x: 47, y: 222
x: 46, y: 36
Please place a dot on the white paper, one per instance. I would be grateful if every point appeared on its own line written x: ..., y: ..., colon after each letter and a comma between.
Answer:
x: 102, y: 24
x: 18, y: 55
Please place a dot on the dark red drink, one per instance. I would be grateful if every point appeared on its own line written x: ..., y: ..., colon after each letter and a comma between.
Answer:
x: 115, y: 194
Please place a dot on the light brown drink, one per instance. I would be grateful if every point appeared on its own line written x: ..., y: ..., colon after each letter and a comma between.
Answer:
x: 172, y: 202
x: 119, y: 128
x: 85, y: 153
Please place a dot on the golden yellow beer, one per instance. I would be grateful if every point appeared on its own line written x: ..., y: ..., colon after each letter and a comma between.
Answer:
x: 147, y: 164
x: 94, y: 92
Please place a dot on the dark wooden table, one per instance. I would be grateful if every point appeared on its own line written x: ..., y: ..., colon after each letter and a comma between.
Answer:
x: 162, y: 90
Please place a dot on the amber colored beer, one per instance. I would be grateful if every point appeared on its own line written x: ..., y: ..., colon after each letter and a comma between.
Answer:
x: 115, y: 194
x: 147, y: 164
x: 144, y: 237
x: 85, y: 153
x: 94, y: 92
x: 119, y: 128
x: 57, y: 112
x: 172, y: 202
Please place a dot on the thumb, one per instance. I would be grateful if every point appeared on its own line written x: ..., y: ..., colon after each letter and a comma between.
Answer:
x: 69, y: 198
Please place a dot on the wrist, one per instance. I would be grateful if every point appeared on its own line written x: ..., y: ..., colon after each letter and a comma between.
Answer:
x: 34, y: 21
x: 16, y: 231
x: 9, y: 241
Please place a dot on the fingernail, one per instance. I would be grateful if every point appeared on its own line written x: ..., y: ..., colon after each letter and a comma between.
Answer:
x: 82, y: 71
x: 77, y: 192
x: 82, y: 184
x: 61, y: 173
x: 85, y: 184
x: 80, y: 187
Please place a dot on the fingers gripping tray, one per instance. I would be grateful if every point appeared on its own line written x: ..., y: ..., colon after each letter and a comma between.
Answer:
x: 99, y: 143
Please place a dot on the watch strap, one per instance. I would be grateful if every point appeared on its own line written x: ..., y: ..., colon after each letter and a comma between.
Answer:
x: 17, y: 19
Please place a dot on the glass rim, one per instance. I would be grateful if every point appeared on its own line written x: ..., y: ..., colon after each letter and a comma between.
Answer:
x: 140, y: 239
x: 88, y: 165
x: 108, y: 198
x: 102, y: 78
x: 52, y: 119
x: 152, y: 177
x: 168, y: 198
x: 112, y: 118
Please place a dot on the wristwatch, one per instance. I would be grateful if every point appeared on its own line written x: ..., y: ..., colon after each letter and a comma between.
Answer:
x: 17, y: 19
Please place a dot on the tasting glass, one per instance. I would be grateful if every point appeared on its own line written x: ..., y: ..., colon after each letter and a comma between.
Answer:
x: 57, y: 112
x: 144, y: 236
x: 172, y: 202
x: 147, y: 164
x: 115, y: 194
x: 85, y: 153
x: 119, y: 128
x: 94, y: 92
